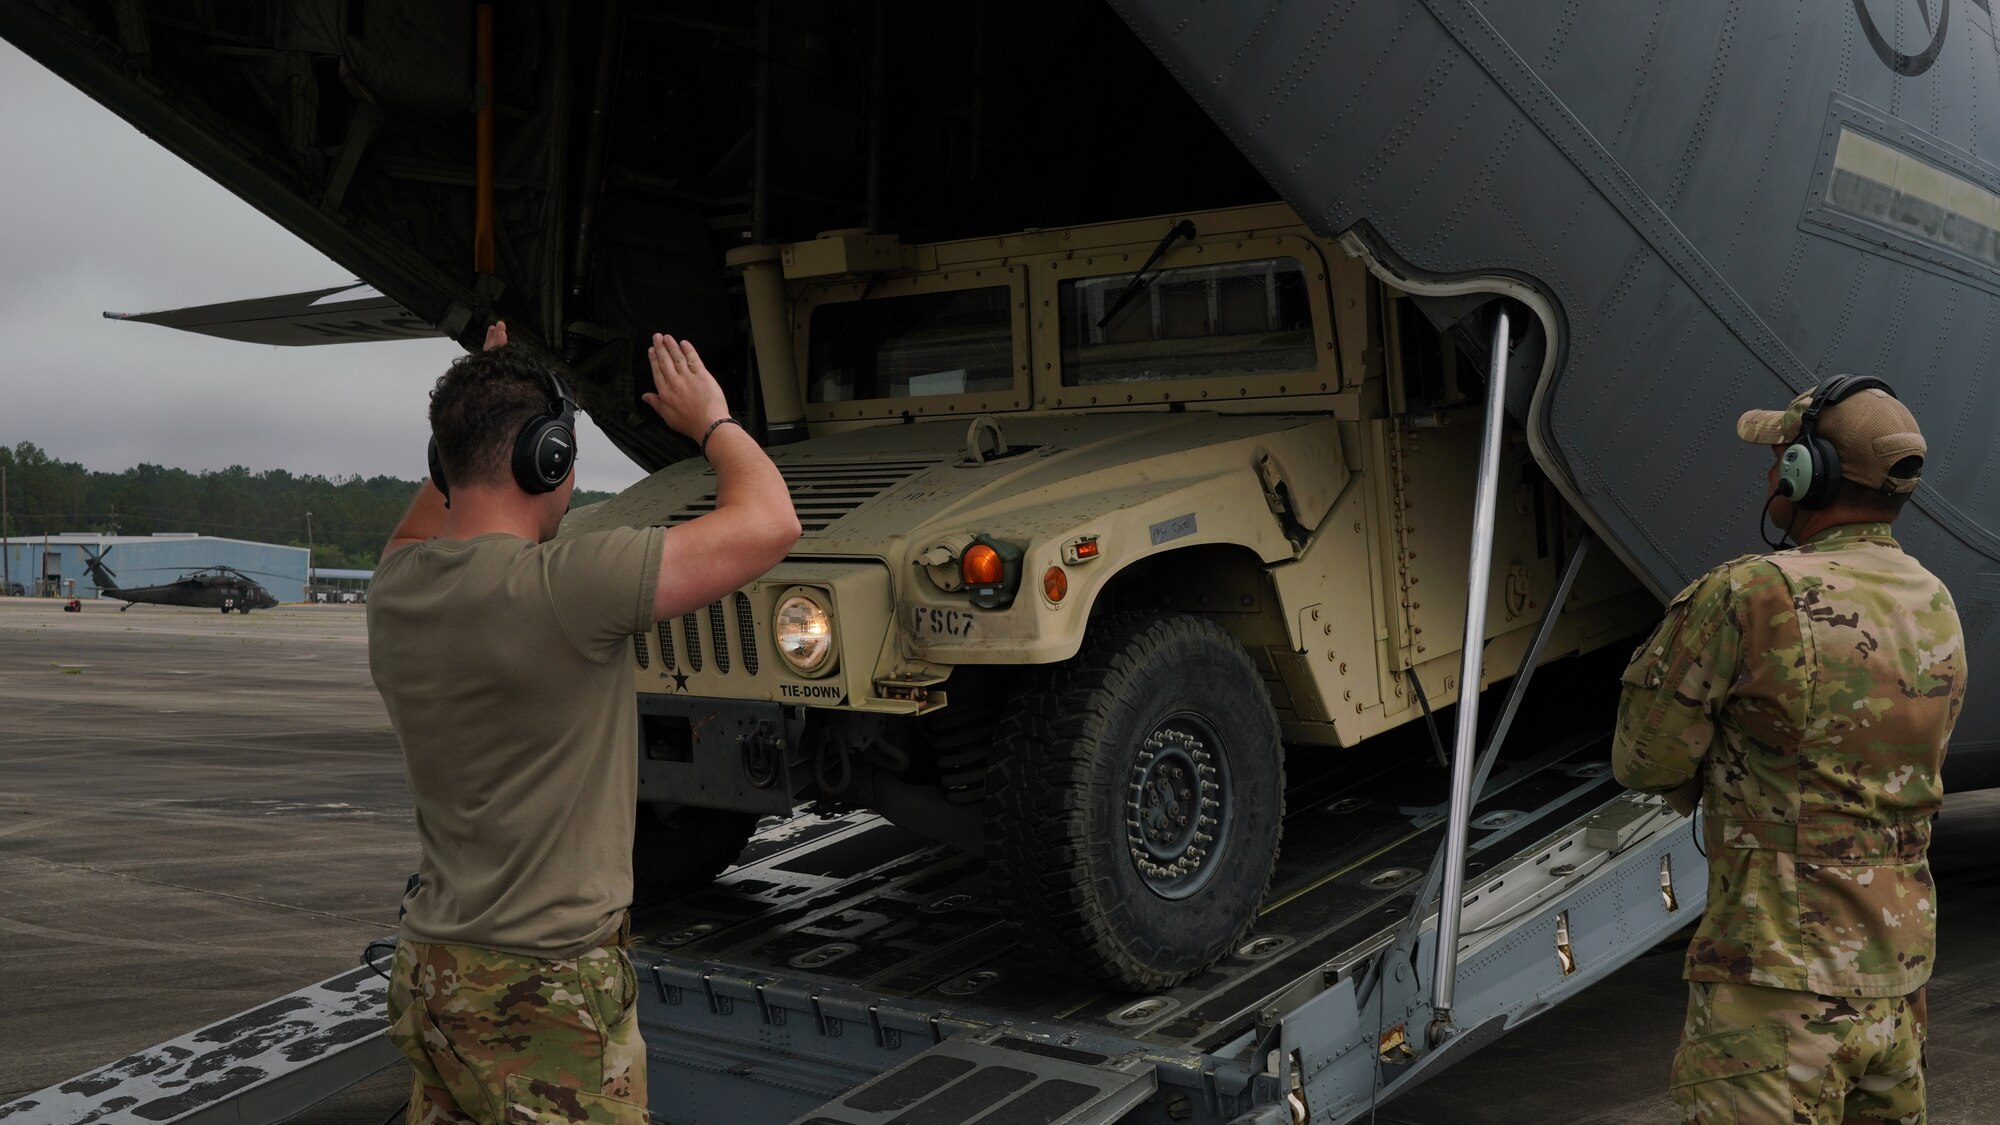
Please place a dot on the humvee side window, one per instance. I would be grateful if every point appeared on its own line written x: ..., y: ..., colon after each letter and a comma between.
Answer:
x: 1196, y: 322
x: 955, y: 342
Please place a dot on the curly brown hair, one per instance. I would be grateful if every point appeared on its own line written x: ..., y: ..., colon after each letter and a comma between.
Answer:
x: 478, y: 406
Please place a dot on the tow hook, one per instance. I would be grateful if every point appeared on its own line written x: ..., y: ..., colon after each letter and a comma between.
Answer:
x: 760, y: 756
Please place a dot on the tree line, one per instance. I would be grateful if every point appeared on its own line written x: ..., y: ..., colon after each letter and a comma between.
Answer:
x: 351, y: 516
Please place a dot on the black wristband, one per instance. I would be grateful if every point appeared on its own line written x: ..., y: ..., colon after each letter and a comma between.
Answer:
x: 710, y: 432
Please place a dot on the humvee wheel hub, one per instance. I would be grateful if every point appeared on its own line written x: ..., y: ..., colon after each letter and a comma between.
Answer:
x: 1178, y: 792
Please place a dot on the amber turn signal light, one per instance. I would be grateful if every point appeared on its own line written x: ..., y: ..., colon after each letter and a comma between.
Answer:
x: 1055, y: 584
x: 982, y: 566
x: 992, y: 572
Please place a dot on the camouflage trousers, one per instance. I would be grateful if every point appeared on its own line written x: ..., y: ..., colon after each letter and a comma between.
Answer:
x: 496, y: 1038
x: 1768, y: 1056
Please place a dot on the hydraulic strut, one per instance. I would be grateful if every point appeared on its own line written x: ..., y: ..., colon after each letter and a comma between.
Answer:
x: 1479, y: 571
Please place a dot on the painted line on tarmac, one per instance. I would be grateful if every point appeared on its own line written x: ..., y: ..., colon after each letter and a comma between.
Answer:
x: 205, y: 891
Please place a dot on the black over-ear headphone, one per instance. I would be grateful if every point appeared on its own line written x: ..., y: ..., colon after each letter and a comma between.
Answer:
x: 544, y: 450
x: 1809, y: 469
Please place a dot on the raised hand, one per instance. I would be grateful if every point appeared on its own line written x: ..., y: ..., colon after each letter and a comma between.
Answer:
x: 684, y: 395
x: 496, y: 335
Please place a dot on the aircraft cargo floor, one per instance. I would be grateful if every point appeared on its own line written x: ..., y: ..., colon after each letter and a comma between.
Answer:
x: 200, y: 812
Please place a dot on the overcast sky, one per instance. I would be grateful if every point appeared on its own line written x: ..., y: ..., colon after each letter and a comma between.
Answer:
x: 98, y: 217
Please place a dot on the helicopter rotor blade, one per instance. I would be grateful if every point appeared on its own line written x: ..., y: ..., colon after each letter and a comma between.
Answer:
x: 193, y: 571
x: 258, y: 573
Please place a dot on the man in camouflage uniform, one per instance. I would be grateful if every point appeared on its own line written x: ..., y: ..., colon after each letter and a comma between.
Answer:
x: 497, y: 648
x: 1804, y: 698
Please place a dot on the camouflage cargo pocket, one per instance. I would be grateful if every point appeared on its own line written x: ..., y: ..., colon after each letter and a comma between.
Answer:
x: 436, y: 1061
x: 531, y: 1101
x: 1734, y: 1076
x: 612, y: 986
x: 1650, y: 661
x: 1662, y: 659
x: 1866, y: 925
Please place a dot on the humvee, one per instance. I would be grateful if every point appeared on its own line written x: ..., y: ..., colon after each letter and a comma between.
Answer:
x: 1098, y: 521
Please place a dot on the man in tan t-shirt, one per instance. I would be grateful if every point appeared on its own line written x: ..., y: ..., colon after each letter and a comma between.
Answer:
x: 495, y: 648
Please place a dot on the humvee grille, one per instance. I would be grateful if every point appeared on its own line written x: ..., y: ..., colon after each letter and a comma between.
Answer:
x: 823, y: 494
x: 718, y: 633
x: 705, y: 639
x: 746, y: 633
x: 692, y: 632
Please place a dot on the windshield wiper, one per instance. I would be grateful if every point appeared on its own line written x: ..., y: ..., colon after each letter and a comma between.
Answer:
x: 1182, y: 229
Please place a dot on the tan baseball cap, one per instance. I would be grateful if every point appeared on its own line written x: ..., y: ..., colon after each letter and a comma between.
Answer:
x: 1870, y: 430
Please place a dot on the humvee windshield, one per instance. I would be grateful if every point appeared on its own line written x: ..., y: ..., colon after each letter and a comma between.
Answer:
x: 1195, y: 322
x: 955, y: 342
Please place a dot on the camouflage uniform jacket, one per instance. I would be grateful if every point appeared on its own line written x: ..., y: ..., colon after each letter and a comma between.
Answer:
x: 1810, y: 693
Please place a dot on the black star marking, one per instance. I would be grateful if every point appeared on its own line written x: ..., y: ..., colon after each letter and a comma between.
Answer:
x: 680, y: 681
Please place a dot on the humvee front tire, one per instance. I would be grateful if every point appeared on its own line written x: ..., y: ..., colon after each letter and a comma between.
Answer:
x: 675, y: 848
x: 1134, y: 802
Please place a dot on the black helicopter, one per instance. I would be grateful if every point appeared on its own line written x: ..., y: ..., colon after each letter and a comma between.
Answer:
x: 214, y: 587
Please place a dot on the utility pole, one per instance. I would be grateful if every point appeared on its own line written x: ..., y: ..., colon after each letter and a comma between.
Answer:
x: 6, y: 539
x: 309, y: 555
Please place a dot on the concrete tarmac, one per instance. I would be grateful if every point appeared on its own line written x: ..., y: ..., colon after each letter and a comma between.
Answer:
x: 199, y: 812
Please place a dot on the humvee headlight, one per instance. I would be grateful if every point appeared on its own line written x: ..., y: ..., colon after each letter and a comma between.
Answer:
x: 804, y: 632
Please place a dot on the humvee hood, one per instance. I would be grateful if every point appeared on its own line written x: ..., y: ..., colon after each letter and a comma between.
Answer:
x: 860, y: 493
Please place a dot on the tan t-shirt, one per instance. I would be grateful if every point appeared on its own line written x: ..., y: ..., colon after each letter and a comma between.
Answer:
x: 500, y: 663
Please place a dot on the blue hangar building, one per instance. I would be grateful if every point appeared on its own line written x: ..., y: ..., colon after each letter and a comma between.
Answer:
x: 53, y: 565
